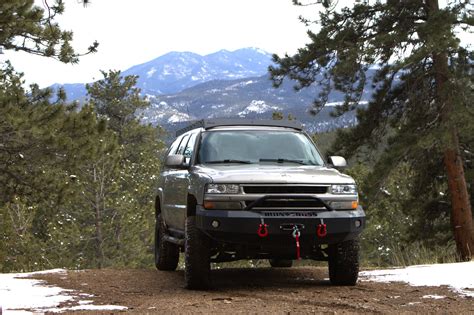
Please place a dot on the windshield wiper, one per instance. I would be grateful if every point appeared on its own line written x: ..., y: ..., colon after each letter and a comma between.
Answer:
x: 228, y: 161
x: 283, y: 161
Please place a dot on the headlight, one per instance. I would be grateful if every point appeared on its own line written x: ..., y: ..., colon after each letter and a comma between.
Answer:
x: 222, y: 189
x: 344, y: 189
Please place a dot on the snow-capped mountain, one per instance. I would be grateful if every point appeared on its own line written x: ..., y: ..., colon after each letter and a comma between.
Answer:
x: 184, y: 86
x: 176, y: 71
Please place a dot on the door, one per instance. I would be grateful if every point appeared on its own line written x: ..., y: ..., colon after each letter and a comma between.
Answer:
x: 183, y: 179
x: 172, y: 207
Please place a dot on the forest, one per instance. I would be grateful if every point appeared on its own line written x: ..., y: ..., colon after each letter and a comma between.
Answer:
x: 77, y: 181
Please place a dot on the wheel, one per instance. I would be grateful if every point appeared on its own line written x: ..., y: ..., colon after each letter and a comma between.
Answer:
x: 166, y: 253
x: 344, y: 263
x: 197, y: 269
x: 281, y: 263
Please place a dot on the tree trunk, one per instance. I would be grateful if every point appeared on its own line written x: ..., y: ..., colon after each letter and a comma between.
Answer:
x: 461, y: 214
x: 98, y: 222
x: 461, y: 217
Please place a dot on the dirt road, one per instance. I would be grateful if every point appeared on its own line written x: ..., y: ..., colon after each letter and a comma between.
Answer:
x: 260, y: 290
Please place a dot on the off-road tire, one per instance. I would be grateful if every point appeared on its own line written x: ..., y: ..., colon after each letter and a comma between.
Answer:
x: 281, y: 263
x: 166, y: 253
x: 197, y: 268
x: 344, y: 262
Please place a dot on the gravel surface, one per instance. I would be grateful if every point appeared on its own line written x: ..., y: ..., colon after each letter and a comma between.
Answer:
x: 279, y: 291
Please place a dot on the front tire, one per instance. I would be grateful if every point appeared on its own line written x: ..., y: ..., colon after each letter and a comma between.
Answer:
x: 197, y: 269
x: 281, y: 263
x: 344, y: 263
x: 166, y: 253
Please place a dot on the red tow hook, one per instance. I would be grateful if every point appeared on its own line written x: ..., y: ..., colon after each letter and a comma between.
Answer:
x: 296, y: 235
x: 262, y: 230
x: 321, y: 231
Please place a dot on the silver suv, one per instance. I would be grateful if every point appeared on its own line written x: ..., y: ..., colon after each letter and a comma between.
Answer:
x: 254, y: 189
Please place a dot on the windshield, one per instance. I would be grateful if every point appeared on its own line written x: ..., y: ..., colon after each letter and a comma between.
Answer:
x: 257, y: 146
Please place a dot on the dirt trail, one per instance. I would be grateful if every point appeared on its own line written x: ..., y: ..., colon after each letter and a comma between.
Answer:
x: 261, y: 290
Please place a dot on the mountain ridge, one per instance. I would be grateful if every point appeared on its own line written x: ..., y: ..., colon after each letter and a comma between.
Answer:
x: 183, y: 86
x: 176, y: 71
x: 252, y: 98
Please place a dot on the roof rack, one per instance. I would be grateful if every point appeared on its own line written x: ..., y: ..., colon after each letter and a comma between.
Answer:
x: 211, y: 123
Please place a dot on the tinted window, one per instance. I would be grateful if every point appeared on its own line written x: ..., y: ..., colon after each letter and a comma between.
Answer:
x: 174, y: 146
x: 188, y: 152
x: 257, y: 145
x: 182, y: 145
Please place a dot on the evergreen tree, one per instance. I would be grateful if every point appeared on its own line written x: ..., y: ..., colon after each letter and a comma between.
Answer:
x: 122, y: 196
x: 42, y: 145
x: 117, y: 99
x: 423, y: 88
x: 32, y: 29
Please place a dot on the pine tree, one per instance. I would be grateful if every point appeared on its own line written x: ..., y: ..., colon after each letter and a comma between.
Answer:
x: 116, y: 98
x: 43, y: 145
x: 123, y: 191
x: 422, y: 91
x: 32, y: 29
x: 43, y: 141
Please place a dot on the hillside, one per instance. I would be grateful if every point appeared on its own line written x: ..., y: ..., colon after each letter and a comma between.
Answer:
x: 184, y: 86
x: 253, y: 97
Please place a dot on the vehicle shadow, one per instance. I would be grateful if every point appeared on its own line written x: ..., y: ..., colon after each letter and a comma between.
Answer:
x: 243, y: 278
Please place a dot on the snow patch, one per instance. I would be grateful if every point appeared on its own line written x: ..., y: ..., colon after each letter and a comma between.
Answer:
x: 459, y: 277
x: 167, y: 70
x: 178, y: 117
x: 433, y: 296
x: 258, y: 107
x: 17, y: 293
x: 213, y: 91
x: 21, y: 295
x: 150, y: 72
x: 234, y: 87
x: 333, y: 104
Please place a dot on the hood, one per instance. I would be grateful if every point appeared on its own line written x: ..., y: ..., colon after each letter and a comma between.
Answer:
x: 274, y: 174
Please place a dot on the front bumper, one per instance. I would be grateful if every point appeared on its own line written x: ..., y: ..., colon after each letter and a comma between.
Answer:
x: 240, y: 226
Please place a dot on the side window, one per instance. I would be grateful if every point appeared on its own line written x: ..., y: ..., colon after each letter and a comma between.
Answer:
x: 188, y: 152
x: 182, y: 145
x: 174, y: 146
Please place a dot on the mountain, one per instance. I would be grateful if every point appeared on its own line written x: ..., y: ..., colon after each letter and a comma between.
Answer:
x: 253, y: 97
x: 176, y: 71
x: 74, y: 91
x: 183, y: 86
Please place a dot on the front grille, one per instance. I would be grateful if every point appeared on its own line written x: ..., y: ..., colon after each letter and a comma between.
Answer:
x: 281, y: 189
x: 288, y: 203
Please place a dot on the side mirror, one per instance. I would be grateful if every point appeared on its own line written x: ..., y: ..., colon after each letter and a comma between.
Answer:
x: 174, y: 160
x: 338, y: 161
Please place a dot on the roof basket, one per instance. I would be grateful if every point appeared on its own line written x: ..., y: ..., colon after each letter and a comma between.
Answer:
x: 211, y: 123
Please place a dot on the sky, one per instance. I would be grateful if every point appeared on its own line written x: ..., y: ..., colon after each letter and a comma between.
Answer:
x: 134, y: 32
